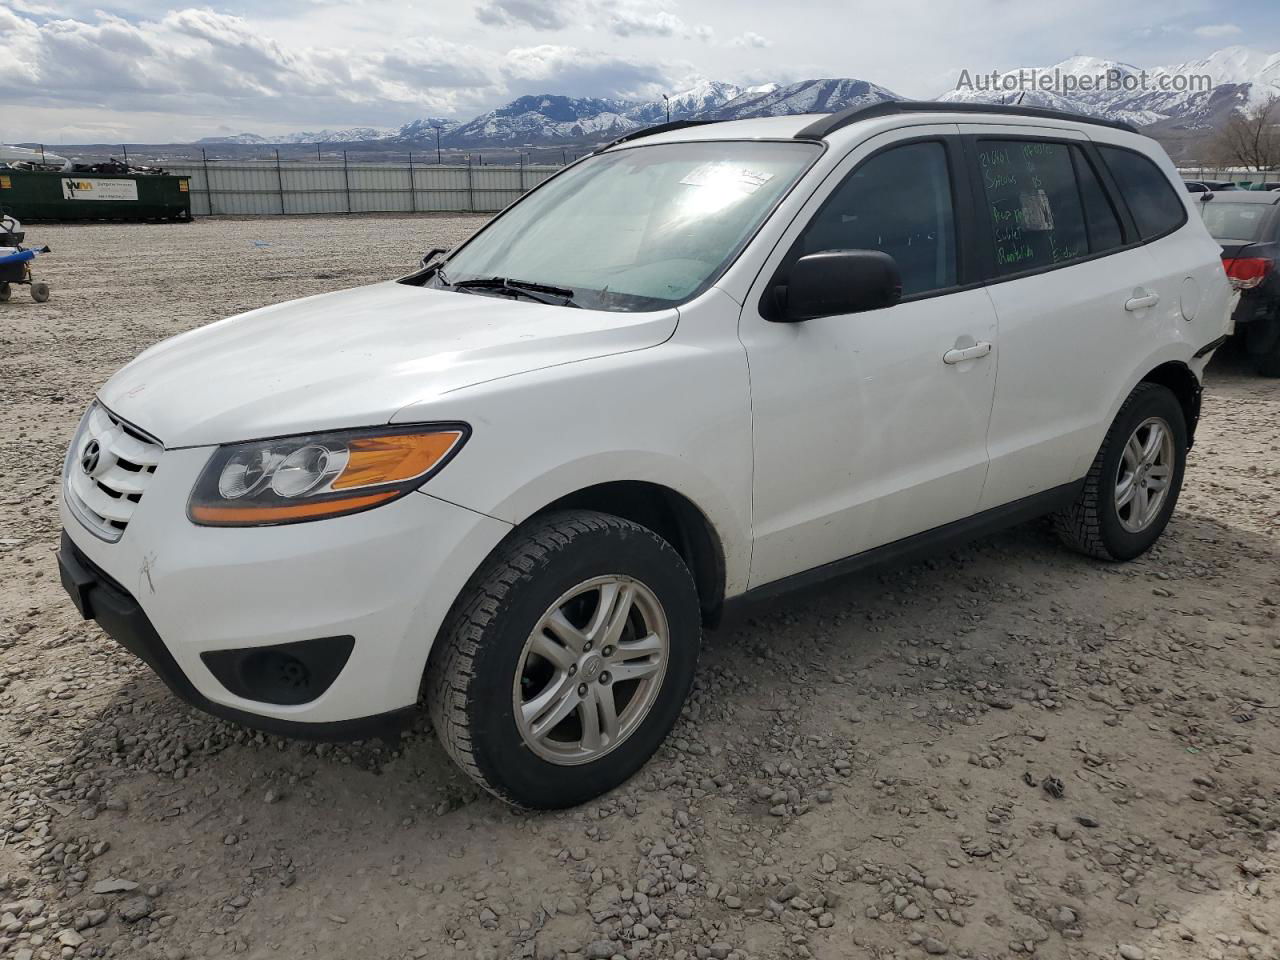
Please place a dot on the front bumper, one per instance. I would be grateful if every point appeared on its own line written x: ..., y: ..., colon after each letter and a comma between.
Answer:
x: 100, y: 598
x: 180, y: 595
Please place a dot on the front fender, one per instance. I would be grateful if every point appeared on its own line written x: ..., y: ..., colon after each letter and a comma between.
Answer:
x: 674, y: 415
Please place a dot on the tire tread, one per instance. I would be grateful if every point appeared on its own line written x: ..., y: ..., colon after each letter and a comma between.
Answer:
x: 1079, y: 526
x: 450, y: 671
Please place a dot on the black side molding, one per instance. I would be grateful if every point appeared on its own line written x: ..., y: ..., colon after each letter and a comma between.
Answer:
x: 1209, y: 347
x: 920, y: 544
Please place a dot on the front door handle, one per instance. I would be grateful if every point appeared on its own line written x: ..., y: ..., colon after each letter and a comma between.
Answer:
x: 961, y: 354
x: 1141, y: 303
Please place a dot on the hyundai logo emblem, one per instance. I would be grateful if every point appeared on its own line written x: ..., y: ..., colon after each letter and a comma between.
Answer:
x: 90, y: 458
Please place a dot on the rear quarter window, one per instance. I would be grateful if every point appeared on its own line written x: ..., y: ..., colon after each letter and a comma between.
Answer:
x: 1156, y: 207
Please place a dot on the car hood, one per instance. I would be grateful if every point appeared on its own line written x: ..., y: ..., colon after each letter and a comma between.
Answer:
x: 354, y: 358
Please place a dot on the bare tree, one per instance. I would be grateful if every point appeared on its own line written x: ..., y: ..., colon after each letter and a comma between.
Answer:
x: 1251, y: 138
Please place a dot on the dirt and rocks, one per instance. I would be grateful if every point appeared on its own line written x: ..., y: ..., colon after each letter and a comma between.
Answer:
x: 1005, y: 750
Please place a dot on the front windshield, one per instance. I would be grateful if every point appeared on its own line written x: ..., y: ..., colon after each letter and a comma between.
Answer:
x: 637, y: 229
x: 1234, y: 221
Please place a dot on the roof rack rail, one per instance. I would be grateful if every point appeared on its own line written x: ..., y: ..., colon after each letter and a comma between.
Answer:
x: 821, y: 129
x: 650, y: 131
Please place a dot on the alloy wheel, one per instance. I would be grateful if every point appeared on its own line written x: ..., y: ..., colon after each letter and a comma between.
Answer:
x: 591, y: 670
x: 1144, y: 474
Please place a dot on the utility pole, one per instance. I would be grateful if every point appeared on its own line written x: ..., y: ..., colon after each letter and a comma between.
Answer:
x: 439, y: 155
x: 668, y: 101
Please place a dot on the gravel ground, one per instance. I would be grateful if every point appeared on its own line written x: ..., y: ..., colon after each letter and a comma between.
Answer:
x: 1005, y: 750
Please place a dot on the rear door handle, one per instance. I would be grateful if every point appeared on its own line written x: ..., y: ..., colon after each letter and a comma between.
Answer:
x: 1141, y: 303
x: 961, y: 354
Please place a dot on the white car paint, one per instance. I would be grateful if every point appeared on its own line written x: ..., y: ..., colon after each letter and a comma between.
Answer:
x: 353, y: 358
x: 800, y: 443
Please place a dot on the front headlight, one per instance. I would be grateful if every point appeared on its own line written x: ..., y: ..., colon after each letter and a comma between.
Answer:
x: 292, y: 479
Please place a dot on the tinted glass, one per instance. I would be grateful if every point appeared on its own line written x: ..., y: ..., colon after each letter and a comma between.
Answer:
x: 1156, y: 207
x: 641, y: 228
x: 1037, y: 217
x: 1235, y: 221
x: 898, y: 202
x: 1100, y: 215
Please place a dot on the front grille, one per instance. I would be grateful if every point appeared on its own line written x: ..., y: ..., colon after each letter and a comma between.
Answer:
x: 109, y: 466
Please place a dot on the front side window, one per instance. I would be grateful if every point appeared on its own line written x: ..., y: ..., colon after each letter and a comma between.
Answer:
x: 1156, y: 207
x: 642, y: 228
x: 1034, y: 206
x: 898, y: 202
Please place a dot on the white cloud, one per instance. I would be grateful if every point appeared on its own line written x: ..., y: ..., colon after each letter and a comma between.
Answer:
x: 146, y: 69
x: 575, y: 72
x: 199, y: 63
x: 539, y: 14
x: 751, y: 39
x: 1216, y: 31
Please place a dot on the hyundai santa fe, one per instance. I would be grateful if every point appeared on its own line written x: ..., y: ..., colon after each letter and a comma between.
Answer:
x: 708, y: 362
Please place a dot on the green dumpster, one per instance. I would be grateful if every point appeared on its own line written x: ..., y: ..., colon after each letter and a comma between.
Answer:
x: 83, y: 196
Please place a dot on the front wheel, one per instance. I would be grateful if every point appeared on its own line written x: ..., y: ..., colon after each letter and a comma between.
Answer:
x: 39, y: 291
x: 1134, y: 482
x: 565, y: 661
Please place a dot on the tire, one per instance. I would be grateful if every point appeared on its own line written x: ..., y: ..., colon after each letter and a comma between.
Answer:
x: 1094, y: 524
x: 1263, y: 344
x: 1268, y: 364
x: 485, y: 660
x: 6, y: 291
x: 39, y: 291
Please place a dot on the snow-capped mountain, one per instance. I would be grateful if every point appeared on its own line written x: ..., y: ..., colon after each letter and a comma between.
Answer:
x: 807, y: 96
x: 247, y: 138
x: 1176, y: 93
x: 545, y: 119
x: 704, y: 97
x: 424, y: 129
x: 349, y: 135
x: 1240, y: 76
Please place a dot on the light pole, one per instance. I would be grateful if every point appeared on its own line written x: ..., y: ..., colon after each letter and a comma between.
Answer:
x: 668, y: 101
x: 439, y: 156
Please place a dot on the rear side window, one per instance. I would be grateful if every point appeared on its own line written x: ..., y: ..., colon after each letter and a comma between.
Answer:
x: 1156, y: 207
x: 1100, y: 216
x: 1035, y: 207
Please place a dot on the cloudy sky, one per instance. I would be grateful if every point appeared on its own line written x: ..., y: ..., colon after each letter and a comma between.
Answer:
x: 145, y: 71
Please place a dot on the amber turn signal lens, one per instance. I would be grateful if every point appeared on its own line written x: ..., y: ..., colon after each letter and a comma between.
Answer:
x: 373, y: 461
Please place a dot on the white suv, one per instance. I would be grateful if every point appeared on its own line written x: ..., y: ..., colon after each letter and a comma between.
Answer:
x: 704, y: 363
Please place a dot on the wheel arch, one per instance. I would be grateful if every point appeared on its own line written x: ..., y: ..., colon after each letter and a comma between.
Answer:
x: 671, y: 515
x: 1182, y: 382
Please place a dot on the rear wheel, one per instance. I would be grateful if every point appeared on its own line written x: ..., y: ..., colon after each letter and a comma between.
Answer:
x: 6, y: 291
x: 1134, y: 482
x: 566, y: 660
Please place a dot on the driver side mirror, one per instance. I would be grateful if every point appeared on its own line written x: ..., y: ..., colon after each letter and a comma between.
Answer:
x: 836, y: 282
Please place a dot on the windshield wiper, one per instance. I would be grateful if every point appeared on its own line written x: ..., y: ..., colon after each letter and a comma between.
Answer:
x: 539, y: 292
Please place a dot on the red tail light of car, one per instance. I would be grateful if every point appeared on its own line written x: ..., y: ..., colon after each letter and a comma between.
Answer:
x: 1246, y: 273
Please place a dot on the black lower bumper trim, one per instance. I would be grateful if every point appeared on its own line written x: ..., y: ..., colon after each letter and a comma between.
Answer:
x: 100, y: 598
x: 1209, y: 347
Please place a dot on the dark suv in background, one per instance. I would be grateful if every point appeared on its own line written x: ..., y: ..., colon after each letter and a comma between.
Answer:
x: 1247, y: 224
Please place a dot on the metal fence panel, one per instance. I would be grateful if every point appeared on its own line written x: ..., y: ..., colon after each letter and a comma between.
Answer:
x: 263, y: 188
